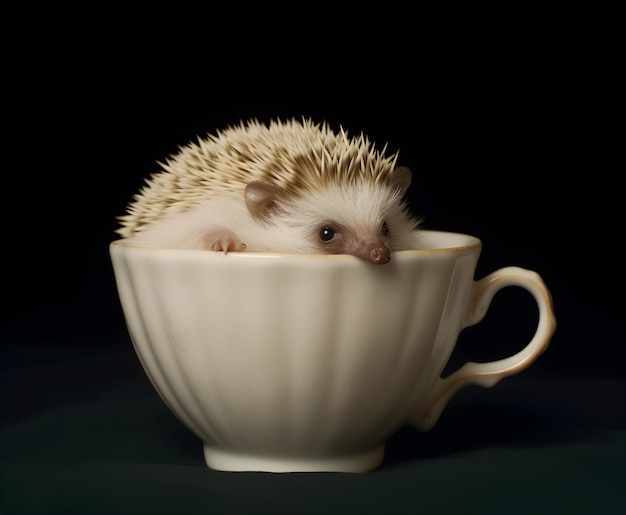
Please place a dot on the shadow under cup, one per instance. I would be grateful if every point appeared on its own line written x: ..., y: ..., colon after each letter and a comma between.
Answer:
x: 310, y: 363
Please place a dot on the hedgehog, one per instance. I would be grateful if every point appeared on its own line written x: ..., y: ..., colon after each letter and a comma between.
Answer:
x: 292, y: 186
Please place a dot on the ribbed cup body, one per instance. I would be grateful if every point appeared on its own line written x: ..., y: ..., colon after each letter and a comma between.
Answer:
x: 304, y: 359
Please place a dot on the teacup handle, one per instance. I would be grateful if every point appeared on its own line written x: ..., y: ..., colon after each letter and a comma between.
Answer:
x: 488, y: 374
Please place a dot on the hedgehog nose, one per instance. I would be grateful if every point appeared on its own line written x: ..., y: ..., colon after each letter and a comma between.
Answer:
x: 380, y: 255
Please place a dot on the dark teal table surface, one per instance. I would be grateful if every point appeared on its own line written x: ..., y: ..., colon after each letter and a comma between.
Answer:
x: 84, y: 432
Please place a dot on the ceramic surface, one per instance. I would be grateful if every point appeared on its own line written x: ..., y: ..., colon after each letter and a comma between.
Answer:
x: 310, y: 363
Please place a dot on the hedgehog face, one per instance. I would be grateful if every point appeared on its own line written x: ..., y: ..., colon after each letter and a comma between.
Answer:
x: 363, y: 218
x: 366, y: 243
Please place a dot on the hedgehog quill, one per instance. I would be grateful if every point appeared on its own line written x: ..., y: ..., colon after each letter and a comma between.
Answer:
x: 288, y: 187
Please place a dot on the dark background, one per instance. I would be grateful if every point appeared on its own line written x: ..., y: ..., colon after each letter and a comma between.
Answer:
x: 511, y: 118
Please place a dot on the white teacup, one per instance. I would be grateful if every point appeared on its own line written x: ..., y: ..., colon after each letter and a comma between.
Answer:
x: 306, y: 362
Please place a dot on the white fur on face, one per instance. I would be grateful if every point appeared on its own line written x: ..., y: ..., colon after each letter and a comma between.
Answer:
x: 361, y: 208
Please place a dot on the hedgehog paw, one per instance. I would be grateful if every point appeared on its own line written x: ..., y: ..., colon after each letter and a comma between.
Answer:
x: 227, y: 242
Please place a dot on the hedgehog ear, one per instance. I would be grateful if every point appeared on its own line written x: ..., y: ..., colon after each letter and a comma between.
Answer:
x: 401, y: 179
x: 262, y: 197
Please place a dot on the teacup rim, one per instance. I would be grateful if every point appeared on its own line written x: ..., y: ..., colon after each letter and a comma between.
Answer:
x: 472, y: 242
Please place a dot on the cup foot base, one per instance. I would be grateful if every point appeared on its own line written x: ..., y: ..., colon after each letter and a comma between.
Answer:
x: 228, y: 461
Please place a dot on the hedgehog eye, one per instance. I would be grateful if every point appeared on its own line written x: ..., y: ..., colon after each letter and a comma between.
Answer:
x: 384, y: 229
x: 327, y: 233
